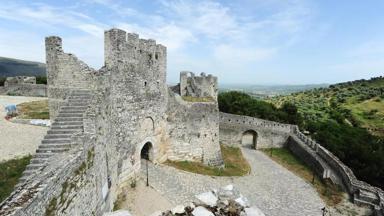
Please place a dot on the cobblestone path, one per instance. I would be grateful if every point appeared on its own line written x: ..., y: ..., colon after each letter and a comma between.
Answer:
x: 272, y: 188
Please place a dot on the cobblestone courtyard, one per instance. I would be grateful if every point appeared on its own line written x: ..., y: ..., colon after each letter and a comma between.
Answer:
x: 272, y: 188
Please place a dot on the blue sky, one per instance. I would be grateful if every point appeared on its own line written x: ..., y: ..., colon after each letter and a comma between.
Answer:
x: 240, y: 41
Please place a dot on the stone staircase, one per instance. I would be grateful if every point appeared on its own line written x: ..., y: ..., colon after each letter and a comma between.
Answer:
x: 58, y: 139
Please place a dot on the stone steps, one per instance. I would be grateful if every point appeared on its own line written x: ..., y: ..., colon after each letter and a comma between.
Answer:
x: 62, y: 131
x: 56, y: 141
x: 82, y: 108
x: 58, y: 138
x: 38, y: 160
x: 63, y: 119
x: 63, y: 115
x: 33, y: 166
x: 71, y: 111
x: 51, y: 150
x: 55, y: 146
x: 42, y: 155
x: 67, y: 127
x: 67, y: 123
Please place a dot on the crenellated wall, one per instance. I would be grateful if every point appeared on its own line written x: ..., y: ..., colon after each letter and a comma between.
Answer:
x: 132, y: 107
x: 202, y: 86
x: 269, y: 134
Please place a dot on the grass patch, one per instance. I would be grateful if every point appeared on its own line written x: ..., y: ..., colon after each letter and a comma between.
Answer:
x: 11, y: 171
x: 234, y: 164
x: 33, y: 110
x: 198, y: 99
x: 330, y: 193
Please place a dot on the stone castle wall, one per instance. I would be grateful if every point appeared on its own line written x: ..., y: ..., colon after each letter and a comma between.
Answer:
x: 269, y: 134
x: 198, y: 86
x: 324, y: 163
x: 64, y: 73
x: 24, y: 86
x: 194, y: 128
x: 360, y: 192
x: 72, y: 183
x: 132, y: 106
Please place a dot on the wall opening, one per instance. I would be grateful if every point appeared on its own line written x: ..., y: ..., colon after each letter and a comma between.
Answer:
x: 147, y: 152
x: 249, y: 139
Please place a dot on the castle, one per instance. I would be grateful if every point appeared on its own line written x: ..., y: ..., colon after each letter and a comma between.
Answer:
x: 107, y: 120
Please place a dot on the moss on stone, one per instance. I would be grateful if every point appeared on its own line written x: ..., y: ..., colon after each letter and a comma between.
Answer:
x: 51, y: 208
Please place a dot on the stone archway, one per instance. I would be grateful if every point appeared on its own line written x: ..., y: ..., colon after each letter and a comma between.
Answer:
x: 249, y: 139
x: 147, y: 151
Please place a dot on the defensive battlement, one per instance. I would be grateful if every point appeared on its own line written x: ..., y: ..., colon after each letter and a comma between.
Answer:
x: 121, y: 46
x: 198, y: 86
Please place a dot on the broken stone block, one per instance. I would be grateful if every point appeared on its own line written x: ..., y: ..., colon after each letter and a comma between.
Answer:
x: 180, y: 209
x: 253, y: 211
x: 201, y: 211
x: 207, y: 198
x: 243, y: 201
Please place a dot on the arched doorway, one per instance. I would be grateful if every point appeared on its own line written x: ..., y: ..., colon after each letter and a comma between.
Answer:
x: 249, y: 139
x: 147, y: 151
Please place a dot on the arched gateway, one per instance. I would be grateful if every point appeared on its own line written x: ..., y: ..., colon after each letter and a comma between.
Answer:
x: 147, y: 151
x: 249, y: 139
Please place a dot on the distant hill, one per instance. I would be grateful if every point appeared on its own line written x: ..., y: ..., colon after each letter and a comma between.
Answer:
x: 263, y: 91
x: 16, y: 67
x: 358, y: 103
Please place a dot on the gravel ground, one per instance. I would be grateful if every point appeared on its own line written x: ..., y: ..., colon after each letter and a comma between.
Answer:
x: 270, y: 187
x: 18, y: 139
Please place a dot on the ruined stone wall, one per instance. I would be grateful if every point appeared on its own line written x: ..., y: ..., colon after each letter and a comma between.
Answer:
x: 198, y: 86
x: 269, y: 133
x: 24, y: 86
x: 194, y: 131
x: 71, y: 183
x: 64, y: 73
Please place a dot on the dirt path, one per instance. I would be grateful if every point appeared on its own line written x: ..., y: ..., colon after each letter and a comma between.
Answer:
x: 142, y: 200
x: 18, y: 139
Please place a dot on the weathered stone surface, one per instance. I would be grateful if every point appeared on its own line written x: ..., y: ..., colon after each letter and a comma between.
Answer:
x: 118, y: 213
x: 24, y: 86
x: 201, y: 211
x: 178, y: 209
x: 94, y: 146
x: 253, y: 211
x: 207, y: 198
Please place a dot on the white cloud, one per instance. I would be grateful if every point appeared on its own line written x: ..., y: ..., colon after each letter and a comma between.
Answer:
x: 50, y: 17
x: 232, y: 53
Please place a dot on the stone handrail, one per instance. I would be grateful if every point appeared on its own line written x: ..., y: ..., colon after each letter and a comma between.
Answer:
x: 361, y: 191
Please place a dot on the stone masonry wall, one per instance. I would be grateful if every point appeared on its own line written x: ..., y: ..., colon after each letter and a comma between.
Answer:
x: 64, y: 73
x: 71, y: 183
x: 194, y: 128
x: 323, y: 162
x: 269, y: 134
x: 137, y: 98
x: 361, y: 192
x: 25, y: 86
x: 198, y: 86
